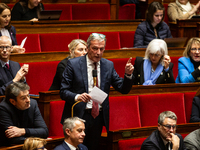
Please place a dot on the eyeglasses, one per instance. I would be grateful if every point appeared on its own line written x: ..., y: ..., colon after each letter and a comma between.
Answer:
x: 156, y: 55
x: 195, y: 49
x: 170, y: 126
x: 43, y: 148
x: 5, y: 47
x: 97, y: 35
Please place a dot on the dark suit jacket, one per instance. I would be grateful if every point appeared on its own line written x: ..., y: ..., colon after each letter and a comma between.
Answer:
x: 58, y: 77
x: 64, y: 146
x: 75, y: 81
x: 195, y: 115
x: 4, y: 82
x: 138, y: 73
x: 12, y: 32
x: 155, y: 142
x: 30, y: 119
x: 192, y: 140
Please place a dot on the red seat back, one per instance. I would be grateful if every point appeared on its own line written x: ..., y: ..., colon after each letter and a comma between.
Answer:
x: 127, y: 11
x: 131, y: 144
x: 174, y: 60
x: 166, y: 16
x: 127, y: 38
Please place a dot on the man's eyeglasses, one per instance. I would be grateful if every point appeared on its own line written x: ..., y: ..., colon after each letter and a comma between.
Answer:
x: 97, y: 35
x: 170, y: 126
x: 195, y: 49
x: 5, y: 47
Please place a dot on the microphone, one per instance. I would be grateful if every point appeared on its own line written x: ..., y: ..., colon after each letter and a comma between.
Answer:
x: 94, y: 75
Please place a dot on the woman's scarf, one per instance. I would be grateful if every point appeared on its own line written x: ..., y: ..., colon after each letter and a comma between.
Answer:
x: 186, y: 8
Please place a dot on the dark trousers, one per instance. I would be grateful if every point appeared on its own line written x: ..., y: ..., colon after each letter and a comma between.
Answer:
x: 93, y: 129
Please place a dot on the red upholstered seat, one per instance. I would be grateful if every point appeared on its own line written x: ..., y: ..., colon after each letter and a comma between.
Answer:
x: 174, y: 60
x: 56, y: 41
x: 124, y: 112
x: 188, y: 97
x: 127, y: 38
x: 55, y: 114
x: 127, y: 11
x: 10, y: 5
x: 32, y: 43
x: 152, y: 105
x: 66, y: 10
x: 113, y: 41
x: 90, y: 11
x: 40, y: 75
x: 131, y: 144
x: 166, y: 16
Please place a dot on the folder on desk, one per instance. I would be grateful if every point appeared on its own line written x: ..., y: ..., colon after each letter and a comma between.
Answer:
x: 176, y: 42
x: 49, y: 15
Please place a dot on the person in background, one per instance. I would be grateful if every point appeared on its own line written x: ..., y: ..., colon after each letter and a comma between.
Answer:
x: 7, y: 29
x: 195, y: 113
x: 74, y: 132
x: 34, y: 143
x: 77, y: 48
x: 155, y: 67
x: 153, y: 27
x: 191, y: 141
x: 182, y: 9
x: 20, y: 116
x: 165, y: 137
x: 189, y: 64
x: 27, y: 10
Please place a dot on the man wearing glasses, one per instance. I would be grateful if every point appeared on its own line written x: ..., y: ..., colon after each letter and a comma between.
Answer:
x: 10, y: 71
x: 78, y: 81
x: 165, y: 137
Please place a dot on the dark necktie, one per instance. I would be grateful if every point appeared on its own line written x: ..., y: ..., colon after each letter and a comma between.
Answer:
x: 95, y: 106
x: 8, y: 72
x: 168, y: 146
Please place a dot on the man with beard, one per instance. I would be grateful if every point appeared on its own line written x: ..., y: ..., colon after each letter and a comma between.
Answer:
x: 165, y: 137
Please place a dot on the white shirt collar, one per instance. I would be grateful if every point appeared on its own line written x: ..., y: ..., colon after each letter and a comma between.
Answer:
x: 90, y: 62
x: 71, y: 146
x: 3, y: 63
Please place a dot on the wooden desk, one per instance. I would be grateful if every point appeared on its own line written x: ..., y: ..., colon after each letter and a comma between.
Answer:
x: 108, y: 54
x: 27, y: 27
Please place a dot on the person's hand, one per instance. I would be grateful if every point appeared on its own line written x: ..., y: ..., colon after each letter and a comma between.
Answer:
x: 129, y: 67
x: 13, y: 131
x: 21, y: 73
x: 84, y: 97
x: 195, y: 8
x: 175, y: 141
x: 34, y: 19
x: 18, y: 49
x: 167, y: 61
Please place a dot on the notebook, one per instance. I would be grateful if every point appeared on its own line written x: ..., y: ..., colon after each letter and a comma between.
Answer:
x: 176, y: 42
x: 49, y: 15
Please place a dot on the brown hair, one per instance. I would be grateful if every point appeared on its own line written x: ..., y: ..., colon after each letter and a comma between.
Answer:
x: 3, y: 6
x: 194, y: 40
x: 32, y: 143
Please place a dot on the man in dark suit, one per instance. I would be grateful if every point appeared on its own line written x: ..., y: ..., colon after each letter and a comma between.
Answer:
x: 20, y: 116
x: 10, y: 71
x: 77, y: 82
x: 165, y: 137
x: 74, y: 132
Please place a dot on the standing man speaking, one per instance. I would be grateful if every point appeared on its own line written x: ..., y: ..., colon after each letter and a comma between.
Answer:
x: 78, y: 81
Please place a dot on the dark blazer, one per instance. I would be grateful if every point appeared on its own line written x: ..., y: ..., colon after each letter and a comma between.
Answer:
x: 12, y: 32
x: 144, y: 33
x: 58, y: 76
x: 75, y: 81
x: 155, y: 142
x: 138, y: 73
x: 195, y: 115
x: 64, y: 146
x: 30, y: 119
x: 4, y: 81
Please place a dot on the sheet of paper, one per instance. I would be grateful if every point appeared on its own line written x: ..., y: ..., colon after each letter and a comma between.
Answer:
x: 23, y: 42
x: 98, y: 95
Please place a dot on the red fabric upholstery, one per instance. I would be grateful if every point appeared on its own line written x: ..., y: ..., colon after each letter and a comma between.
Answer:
x: 127, y: 11
x: 119, y: 65
x: 127, y: 38
x: 66, y: 10
x: 188, y: 97
x: 131, y: 144
x: 124, y: 112
x: 32, y: 43
x: 174, y: 60
x: 152, y: 105
x: 56, y: 41
x: 55, y: 114
x: 10, y: 5
x: 112, y: 39
x: 90, y: 11
x: 40, y: 75
x: 166, y: 16
x: 184, y: 135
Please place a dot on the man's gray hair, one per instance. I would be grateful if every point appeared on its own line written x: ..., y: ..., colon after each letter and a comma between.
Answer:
x: 166, y: 114
x: 95, y: 36
x: 69, y: 123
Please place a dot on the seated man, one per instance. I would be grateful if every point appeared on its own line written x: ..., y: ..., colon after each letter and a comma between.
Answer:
x: 165, y: 138
x: 191, y: 141
x: 20, y: 116
x: 74, y: 131
x: 10, y: 71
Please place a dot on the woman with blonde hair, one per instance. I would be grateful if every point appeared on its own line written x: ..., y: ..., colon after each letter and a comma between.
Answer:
x: 34, y: 143
x: 77, y: 48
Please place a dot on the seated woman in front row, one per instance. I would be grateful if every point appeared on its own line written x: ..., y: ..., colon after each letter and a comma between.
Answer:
x: 189, y: 64
x: 153, y: 28
x: 155, y: 67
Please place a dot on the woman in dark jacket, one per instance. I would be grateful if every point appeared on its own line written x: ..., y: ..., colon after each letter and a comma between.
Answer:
x: 195, y: 115
x: 153, y: 27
